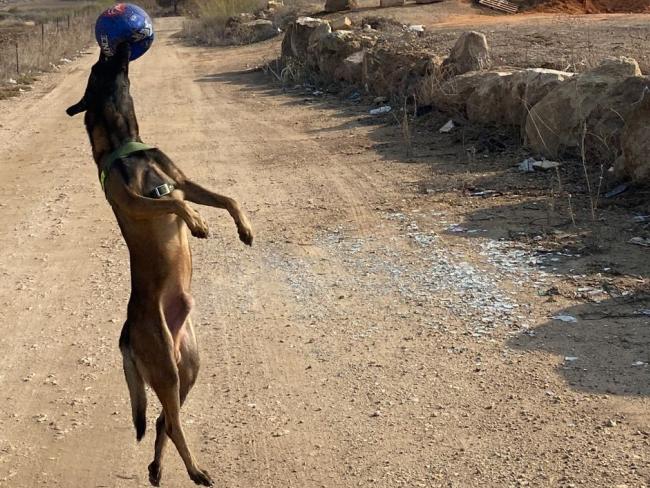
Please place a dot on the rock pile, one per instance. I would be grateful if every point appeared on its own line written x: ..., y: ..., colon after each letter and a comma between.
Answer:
x: 603, y: 112
x: 247, y: 28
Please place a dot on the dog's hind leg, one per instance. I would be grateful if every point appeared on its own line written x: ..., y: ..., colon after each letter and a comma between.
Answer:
x: 168, y: 389
x: 188, y: 370
x: 135, y: 384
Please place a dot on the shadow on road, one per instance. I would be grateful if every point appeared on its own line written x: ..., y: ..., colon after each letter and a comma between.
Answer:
x: 607, y: 348
x: 605, y: 351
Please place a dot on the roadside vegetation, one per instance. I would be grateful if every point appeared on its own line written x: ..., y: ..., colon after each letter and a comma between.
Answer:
x: 41, y: 38
x: 208, y: 19
x: 219, y: 22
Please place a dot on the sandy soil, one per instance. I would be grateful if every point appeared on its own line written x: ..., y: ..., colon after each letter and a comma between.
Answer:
x: 388, y: 328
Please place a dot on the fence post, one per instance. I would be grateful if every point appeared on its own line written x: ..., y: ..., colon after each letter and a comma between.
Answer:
x: 17, y: 61
x: 43, y: 37
x: 68, y: 22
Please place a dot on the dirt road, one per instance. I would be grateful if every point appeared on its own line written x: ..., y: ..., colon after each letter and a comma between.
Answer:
x: 375, y: 335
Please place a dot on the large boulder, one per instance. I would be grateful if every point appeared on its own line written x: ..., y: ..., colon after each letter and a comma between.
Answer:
x: 257, y: 30
x: 299, y: 34
x: 606, y: 121
x: 339, y: 5
x: 328, y: 55
x: 328, y: 52
x: 451, y: 95
x: 634, y: 163
x: 506, y: 97
x: 556, y: 124
x: 351, y: 71
x: 391, y: 72
x: 470, y: 53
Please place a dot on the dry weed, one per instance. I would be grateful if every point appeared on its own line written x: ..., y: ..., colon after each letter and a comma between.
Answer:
x: 43, y: 46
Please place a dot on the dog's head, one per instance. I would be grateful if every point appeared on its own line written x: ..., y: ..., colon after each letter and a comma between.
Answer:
x: 108, y: 84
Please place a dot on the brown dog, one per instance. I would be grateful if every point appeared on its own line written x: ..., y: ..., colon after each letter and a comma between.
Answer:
x: 149, y: 197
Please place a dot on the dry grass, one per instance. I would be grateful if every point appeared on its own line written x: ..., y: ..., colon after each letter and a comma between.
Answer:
x: 43, y: 46
x: 208, y: 20
x: 34, y: 41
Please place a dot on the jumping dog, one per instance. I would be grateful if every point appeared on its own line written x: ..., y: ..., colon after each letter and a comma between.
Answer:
x: 149, y: 195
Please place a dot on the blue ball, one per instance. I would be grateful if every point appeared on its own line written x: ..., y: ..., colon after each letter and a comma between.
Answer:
x: 124, y: 22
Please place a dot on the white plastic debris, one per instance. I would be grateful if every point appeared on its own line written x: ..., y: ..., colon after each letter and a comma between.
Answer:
x: 416, y: 28
x: 570, y: 359
x: 456, y: 228
x: 11, y: 81
x: 527, y: 165
x: 448, y: 127
x: 381, y: 110
x: 545, y: 164
x: 565, y: 318
x: 531, y: 164
x: 484, y: 193
x: 640, y: 241
x: 639, y: 363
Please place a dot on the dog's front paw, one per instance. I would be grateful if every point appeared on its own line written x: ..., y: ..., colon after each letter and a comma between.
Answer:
x: 245, y: 234
x: 197, y: 225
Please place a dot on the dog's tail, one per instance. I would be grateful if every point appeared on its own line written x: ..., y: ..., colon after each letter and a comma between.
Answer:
x: 136, y: 386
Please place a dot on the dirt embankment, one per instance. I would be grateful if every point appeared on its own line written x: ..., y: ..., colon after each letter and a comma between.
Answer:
x: 589, y: 6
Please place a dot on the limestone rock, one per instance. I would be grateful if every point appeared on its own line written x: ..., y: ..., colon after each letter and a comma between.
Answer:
x: 342, y: 23
x: 634, y: 163
x: 258, y: 30
x: 470, y: 53
x: 352, y: 69
x: 606, y: 121
x: 506, y: 97
x: 555, y: 125
x: 452, y: 95
x: 330, y: 51
x: 389, y: 72
x: 297, y: 37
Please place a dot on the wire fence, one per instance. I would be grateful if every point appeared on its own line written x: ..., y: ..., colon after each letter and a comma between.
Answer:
x: 37, y: 47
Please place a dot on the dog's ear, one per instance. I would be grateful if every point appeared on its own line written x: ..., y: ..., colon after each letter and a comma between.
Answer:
x: 77, y: 108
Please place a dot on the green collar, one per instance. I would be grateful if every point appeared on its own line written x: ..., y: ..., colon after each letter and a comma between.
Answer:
x: 123, y: 151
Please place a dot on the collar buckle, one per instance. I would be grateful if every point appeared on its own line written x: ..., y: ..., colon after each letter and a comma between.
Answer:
x: 162, y: 190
